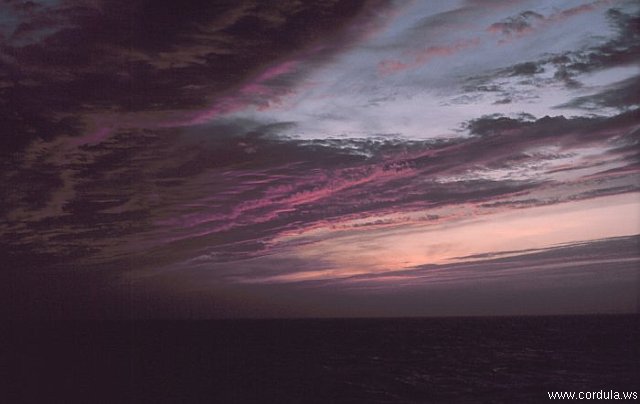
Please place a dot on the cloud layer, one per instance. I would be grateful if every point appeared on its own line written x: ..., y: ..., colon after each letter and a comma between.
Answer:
x: 222, y: 151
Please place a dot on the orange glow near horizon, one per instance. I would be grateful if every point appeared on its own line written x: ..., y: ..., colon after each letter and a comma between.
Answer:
x: 402, y: 247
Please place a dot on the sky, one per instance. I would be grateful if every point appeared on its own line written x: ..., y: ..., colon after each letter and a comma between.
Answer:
x: 362, y: 158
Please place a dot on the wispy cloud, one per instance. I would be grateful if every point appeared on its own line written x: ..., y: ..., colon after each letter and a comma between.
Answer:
x: 359, y: 146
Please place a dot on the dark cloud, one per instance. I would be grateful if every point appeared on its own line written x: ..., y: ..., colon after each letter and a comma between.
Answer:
x: 573, y: 131
x: 526, y: 69
x: 65, y: 61
x: 550, y: 261
x: 103, y: 199
x: 523, y: 22
x: 621, y: 50
x: 226, y: 190
x: 216, y: 195
x: 624, y: 95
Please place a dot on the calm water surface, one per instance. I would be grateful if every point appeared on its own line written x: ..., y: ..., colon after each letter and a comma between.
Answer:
x: 474, y: 360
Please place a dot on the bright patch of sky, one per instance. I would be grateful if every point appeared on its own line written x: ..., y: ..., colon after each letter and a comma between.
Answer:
x: 394, y: 249
x: 408, y: 80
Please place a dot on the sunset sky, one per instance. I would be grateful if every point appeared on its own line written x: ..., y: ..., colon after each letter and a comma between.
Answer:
x: 319, y: 158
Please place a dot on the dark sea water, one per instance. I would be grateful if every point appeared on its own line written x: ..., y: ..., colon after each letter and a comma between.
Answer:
x: 448, y: 360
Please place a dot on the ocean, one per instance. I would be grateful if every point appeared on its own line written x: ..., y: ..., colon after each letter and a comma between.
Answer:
x: 403, y: 360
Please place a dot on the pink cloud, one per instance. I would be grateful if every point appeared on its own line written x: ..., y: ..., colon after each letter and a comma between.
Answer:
x: 277, y: 200
x: 584, y: 8
x: 424, y: 56
x: 278, y: 70
x: 263, y: 92
x: 525, y: 25
x: 92, y: 138
x: 257, y: 92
